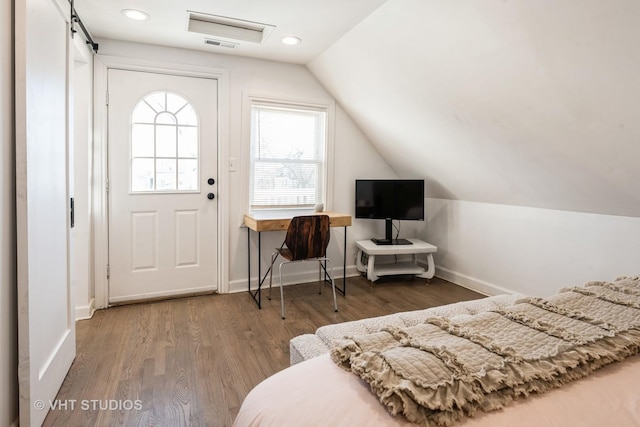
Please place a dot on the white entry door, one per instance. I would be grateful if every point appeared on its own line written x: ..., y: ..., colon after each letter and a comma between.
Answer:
x: 162, y: 185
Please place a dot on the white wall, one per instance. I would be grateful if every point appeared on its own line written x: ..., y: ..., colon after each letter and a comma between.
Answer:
x: 354, y: 156
x: 8, y: 314
x: 496, y: 248
x: 81, y: 233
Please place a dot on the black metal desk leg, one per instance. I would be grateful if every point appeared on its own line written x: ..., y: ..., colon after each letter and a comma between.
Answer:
x: 257, y: 295
x: 259, y: 270
x: 343, y: 291
x: 344, y: 265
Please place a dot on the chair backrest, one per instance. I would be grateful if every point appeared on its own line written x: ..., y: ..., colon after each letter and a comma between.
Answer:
x: 308, y: 236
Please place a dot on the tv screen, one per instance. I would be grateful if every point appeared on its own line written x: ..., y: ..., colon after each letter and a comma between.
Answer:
x: 399, y: 199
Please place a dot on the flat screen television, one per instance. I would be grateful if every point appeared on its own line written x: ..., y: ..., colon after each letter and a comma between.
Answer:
x: 390, y: 199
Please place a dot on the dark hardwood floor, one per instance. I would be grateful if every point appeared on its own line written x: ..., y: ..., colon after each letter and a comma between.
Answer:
x: 191, y: 361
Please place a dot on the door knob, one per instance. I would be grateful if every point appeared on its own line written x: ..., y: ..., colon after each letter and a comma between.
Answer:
x: 211, y: 181
x: 211, y: 196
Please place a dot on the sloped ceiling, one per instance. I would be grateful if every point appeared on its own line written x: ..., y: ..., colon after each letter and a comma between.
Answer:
x: 520, y: 102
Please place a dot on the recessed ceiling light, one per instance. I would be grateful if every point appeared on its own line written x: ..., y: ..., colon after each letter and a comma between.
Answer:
x: 137, y: 15
x: 291, y: 40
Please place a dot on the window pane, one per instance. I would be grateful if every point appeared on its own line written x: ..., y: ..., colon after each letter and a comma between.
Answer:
x: 288, y: 136
x: 187, y: 142
x: 175, y: 102
x: 142, y: 141
x: 166, y: 174
x: 142, y: 175
x: 143, y: 113
x: 187, y: 174
x: 285, y: 184
x: 165, y: 141
x: 187, y: 116
x: 157, y: 101
x: 165, y: 118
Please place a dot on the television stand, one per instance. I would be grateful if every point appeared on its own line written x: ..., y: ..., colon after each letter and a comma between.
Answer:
x: 368, y: 250
x: 391, y: 241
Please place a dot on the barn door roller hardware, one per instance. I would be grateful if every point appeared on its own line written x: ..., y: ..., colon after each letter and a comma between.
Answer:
x: 75, y: 19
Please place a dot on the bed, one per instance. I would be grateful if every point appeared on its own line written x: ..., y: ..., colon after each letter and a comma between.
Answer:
x: 319, y: 392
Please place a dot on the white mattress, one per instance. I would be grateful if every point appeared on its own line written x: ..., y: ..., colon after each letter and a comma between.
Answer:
x: 318, y: 393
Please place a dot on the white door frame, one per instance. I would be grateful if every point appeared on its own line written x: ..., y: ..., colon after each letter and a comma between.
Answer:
x: 100, y: 173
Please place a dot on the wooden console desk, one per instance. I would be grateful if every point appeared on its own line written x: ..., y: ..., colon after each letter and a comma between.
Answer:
x: 279, y: 221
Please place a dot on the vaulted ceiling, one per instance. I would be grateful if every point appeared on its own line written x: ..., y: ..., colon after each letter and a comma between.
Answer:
x: 519, y: 102
x: 532, y: 103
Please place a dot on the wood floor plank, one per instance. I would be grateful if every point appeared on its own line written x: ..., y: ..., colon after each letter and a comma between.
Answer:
x: 191, y: 361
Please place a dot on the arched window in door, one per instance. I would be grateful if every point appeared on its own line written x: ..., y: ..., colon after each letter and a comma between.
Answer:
x: 164, y: 144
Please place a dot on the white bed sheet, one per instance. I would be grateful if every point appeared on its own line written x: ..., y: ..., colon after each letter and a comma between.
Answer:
x: 318, y: 393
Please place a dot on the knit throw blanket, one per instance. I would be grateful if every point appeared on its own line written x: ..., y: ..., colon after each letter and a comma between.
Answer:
x: 440, y: 371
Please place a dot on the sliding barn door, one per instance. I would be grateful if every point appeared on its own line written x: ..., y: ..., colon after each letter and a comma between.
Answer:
x: 46, y: 328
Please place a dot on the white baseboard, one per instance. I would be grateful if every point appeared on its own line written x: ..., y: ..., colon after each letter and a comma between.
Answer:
x: 472, y: 283
x: 240, y: 285
x: 459, y: 279
x: 86, y: 311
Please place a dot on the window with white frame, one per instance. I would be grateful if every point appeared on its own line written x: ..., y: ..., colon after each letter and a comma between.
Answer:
x: 164, y: 144
x: 288, y: 155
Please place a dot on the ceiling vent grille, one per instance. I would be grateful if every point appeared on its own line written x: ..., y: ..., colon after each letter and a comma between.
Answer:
x: 228, y: 28
x: 220, y: 43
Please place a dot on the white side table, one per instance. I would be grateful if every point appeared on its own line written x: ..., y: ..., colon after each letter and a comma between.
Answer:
x: 367, y: 252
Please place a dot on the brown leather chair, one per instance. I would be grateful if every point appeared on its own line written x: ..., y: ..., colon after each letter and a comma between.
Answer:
x: 307, y: 239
